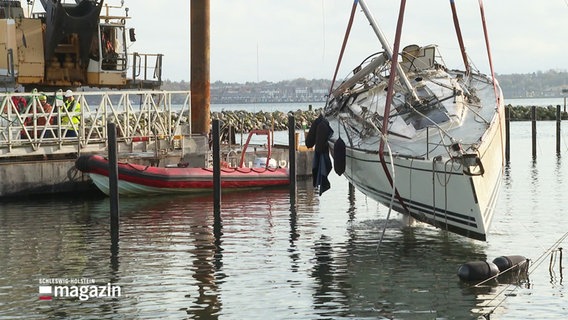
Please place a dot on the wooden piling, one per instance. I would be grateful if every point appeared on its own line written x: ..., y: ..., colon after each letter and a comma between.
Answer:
x: 200, y: 66
x: 428, y: 142
x: 292, y: 157
x: 533, y: 120
x: 113, y: 182
x: 216, y: 172
x: 564, y: 92
x: 558, y: 124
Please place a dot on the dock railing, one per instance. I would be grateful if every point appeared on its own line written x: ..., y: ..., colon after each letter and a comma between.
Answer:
x: 144, y: 121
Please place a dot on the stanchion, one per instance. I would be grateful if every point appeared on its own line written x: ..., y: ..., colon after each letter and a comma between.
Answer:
x: 292, y: 157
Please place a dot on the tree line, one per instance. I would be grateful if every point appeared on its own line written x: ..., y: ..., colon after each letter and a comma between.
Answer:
x: 540, y: 84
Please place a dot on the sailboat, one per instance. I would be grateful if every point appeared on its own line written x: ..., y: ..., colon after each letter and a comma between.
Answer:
x: 421, y: 138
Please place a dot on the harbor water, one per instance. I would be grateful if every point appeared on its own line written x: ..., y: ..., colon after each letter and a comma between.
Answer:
x: 319, y: 259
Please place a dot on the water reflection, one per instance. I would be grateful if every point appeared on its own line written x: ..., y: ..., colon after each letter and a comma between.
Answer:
x: 413, y: 274
x: 206, y: 264
x: 351, y: 200
x: 318, y: 258
x: 330, y: 291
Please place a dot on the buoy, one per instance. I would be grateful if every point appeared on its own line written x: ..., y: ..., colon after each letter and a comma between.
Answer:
x: 339, y: 156
x: 509, y: 262
x: 477, y: 270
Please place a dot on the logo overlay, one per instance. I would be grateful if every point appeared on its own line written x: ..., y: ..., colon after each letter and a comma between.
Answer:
x: 76, y: 288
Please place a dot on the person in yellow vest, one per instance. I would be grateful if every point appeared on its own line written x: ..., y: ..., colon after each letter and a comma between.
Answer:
x: 68, y: 120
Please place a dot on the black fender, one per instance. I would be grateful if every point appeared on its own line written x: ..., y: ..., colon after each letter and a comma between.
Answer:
x: 339, y: 156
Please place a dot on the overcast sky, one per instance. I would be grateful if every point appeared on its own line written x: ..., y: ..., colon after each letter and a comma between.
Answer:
x: 274, y: 40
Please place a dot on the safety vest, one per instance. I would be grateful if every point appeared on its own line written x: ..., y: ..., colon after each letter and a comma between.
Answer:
x: 72, y: 106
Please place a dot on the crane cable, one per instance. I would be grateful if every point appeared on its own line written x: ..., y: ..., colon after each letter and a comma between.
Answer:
x: 347, y: 32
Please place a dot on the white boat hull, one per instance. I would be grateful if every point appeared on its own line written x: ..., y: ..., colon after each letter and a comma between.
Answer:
x: 135, y: 189
x: 430, y: 182
x: 426, y: 139
x: 434, y: 192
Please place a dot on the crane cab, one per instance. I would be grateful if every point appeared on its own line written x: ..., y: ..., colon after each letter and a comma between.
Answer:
x: 72, y: 45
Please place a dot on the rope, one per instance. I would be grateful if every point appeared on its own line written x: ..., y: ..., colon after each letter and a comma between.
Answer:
x: 536, y: 263
x: 393, y: 183
x: 552, y: 248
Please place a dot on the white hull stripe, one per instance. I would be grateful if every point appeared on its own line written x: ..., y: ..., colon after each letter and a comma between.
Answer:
x: 439, y: 214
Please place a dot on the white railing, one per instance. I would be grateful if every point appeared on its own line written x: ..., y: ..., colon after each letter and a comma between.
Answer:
x: 146, y: 116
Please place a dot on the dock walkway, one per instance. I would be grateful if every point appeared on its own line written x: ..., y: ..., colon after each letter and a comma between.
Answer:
x: 37, y: 151
x: 144, y: 119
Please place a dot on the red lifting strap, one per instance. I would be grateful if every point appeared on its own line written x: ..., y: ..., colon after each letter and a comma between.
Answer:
x: 344, y: 43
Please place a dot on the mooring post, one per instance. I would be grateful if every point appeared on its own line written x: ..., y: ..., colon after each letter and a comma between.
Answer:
x: 427, y: 142
x: 533, y: 119
x: 560, y: 266
x: 216, y: 172
x: 200, y: 34
x: 564, y: 92
x: 292, y: 157
x: 113, y: 182
x: 558, y: 123
x: 507, y: 133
